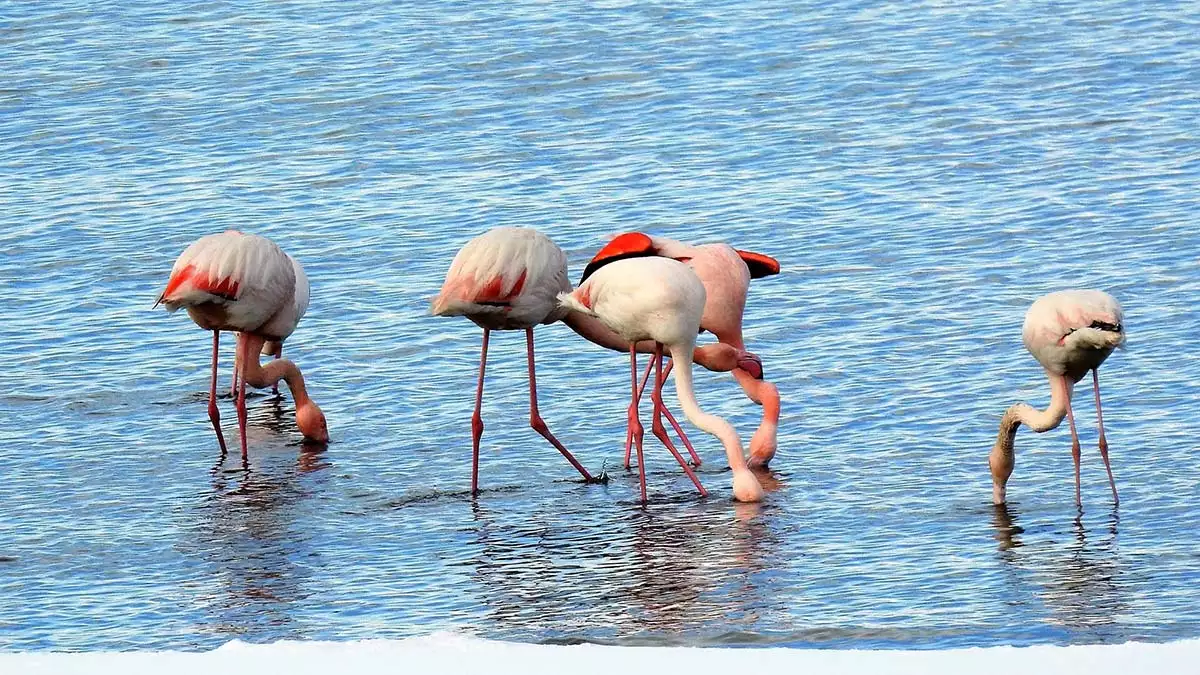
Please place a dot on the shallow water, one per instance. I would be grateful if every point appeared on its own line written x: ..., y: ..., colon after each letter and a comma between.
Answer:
x: 921, y: 171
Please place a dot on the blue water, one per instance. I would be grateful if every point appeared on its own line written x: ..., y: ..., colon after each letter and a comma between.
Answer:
x: 921, y: 170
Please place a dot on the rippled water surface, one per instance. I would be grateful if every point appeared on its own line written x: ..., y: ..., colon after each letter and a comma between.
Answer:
x: 921, y: 170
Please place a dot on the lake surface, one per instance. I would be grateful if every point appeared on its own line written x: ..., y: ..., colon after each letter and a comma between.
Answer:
x: 922, y: 171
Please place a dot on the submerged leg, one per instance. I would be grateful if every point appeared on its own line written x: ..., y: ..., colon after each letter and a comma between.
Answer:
x: 657, y: 426
x: 635, y: 424
x: 629, y: 430
x: 477, y: 418
x: 1103, y: 441
x: 535, y: 418
x: 213, y: 414
x: 1074, y: 450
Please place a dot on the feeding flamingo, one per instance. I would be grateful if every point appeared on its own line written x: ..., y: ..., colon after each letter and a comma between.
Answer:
x: 507, y: 278
x: 726, y: 273
x: 245, y: 283
x: 1069, y: 333
x: 661, y: 300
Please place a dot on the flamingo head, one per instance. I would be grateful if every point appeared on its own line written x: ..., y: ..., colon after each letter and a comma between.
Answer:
x: 311, y: 422
x: 751, y: 364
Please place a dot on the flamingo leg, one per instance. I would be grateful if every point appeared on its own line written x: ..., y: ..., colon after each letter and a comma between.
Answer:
x: 657, y: 425
x: 213, y: 414
x: 629, y: 431
x: 1074, y: 450
x: 675, y: 425
x: 278, y: 355
x: 635, y: 424
x: 1103, y: 441
x: 241, y: 399
x: 237, y: 359
x: 535, y: 418
x: 477, y: 418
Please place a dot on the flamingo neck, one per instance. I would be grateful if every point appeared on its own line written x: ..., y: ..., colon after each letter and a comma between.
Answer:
x: 682, y: 356
x: 1003, y: 456
x: 309, y: 417
x: 250, y: 348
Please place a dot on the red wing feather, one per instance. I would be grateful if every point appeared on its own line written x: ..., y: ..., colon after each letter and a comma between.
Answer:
x: 760, y: 265
x: 490, y: 293
x: 628, y: 245
x: 224, y: 288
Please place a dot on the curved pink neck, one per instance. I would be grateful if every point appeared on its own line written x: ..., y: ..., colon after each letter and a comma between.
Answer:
x: 1002, y: 458
x: 682, y: 357
x: 260, y: 376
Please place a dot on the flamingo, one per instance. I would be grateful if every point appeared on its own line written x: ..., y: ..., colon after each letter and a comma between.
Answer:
x: 1069, y: 333
x: 661, y: 300
x: 507, y: 278
x: 245, y: 283
x: 726, y: 273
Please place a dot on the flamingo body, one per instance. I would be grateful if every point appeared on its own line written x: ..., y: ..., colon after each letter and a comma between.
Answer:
x: 645, y: 299
x: 505, y: 279
x: 1072, y: 332
x: 234, y: 281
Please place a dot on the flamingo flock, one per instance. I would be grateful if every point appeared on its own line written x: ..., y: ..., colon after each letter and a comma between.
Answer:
x: 638, y: 294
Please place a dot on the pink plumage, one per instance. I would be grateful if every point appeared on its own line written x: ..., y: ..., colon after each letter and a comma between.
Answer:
x: 505, y: 279
x: 1072, y: 332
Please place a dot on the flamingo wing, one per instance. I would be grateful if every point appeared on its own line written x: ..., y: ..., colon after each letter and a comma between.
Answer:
x: 620, y: 247
x: 1055, y: 316
x: 508, y: 270
x: 244, y: 271
x: 760, y: 265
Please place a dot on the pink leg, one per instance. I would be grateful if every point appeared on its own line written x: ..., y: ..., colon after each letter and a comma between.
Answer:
x: 629, y: 431
x: 635, y: 424
x: 535, y: 418
x: 241, y: 400
x: 657, y: 426
x: 1103, y: 441
x: 477, y: 418
x: 278, y: 355
x: 1074, y: 451
x: 675, y: 425
x: 233, y: 388
x: 213, y: 413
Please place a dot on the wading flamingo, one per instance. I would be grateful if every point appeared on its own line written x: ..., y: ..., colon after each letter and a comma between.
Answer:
x: 245, y: 283
x: 661, y: 300
x: 1069, y: 333
x: 726, y: 273
x: 507, y: 278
